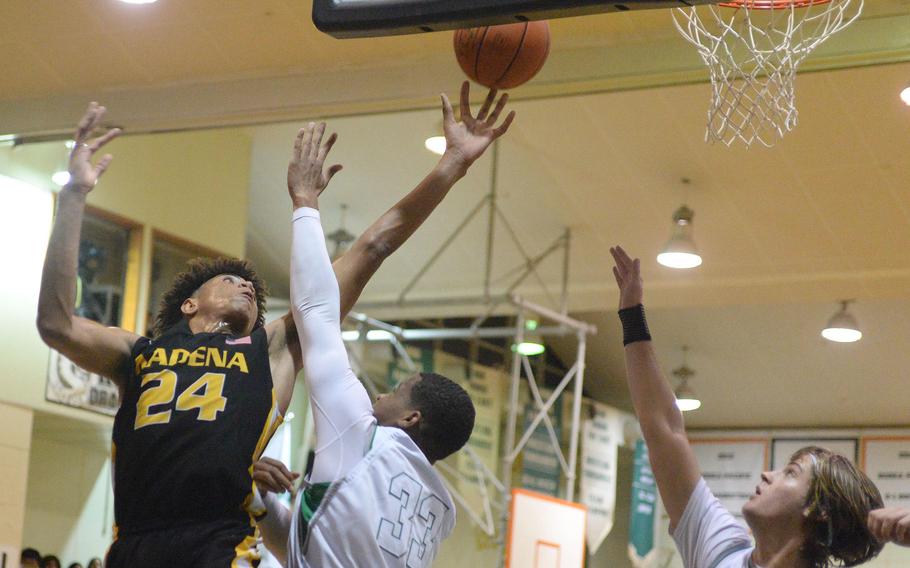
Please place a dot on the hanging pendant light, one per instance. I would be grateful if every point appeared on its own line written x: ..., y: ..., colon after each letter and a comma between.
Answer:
x: 842, y: 327
x: 341, y: 237
x: 532, y: 344
x: 680, y: 251
x: 686, y: 399
x: 905, y: 95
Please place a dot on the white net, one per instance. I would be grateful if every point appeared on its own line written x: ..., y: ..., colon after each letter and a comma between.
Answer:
x: 753, y: 49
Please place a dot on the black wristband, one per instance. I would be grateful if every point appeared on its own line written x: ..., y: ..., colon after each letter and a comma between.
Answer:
x: 634, y: 325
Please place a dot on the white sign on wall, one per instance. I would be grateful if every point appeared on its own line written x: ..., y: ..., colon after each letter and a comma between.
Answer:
x: 69, y: 384
x: 732, y: 469
x: 784, y: 448
x: 887, y: 462
x: 602, y: 434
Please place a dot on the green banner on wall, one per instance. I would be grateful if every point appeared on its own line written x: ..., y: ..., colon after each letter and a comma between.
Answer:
x: 643, y: 510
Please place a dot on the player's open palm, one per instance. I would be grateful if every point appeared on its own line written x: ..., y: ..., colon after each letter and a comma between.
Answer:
x: 307, y: 176
x: 83, y: 174
x: 628, y: 277
x: 468, y: 138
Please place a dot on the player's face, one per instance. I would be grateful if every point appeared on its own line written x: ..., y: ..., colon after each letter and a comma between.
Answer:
x: 230, y: 298
x: 782, y: 494
x: 393, y: 408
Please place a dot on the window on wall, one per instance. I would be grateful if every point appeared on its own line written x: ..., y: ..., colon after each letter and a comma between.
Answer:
x: 170, y: 256
x: 102, y: 270
x: 107, y: 276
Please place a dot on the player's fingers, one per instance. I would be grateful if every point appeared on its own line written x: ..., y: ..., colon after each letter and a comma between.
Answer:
x: 501, y: 104
x: 298, y: 143
x: 448, y: 114
x: 307, y: 140
x: 97, y: 143
x: 487, y: 103
x: 465, y: 104
x: 84, y: 122
x: 327, y: 147
x: 504, y: 127
x: 332, y: 171
x: 102, y: 165
x: 636, y: 268
x: 316, y: 143
x: 617, y: 277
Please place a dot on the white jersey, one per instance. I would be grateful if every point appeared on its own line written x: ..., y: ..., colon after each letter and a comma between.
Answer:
x: 390, y: 511
x: 709, y: 536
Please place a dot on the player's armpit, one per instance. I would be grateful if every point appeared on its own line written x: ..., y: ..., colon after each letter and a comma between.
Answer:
x: 285, y: 358
x: 94, y: 347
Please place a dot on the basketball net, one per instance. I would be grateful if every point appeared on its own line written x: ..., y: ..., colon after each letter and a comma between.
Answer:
x: 753, y: 49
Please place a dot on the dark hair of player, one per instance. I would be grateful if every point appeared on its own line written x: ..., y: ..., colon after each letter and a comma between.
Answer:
x: 446, y: 415
x: 198, y: 272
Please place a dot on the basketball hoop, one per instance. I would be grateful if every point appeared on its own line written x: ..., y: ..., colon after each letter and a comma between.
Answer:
x: 752, y: 49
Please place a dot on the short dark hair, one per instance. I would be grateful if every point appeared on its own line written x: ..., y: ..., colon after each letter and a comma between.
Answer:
x: 446, y: 415
x: 50, y: 558
x: 30, y: 554
x: 838, y: 504
x: 198, y: 272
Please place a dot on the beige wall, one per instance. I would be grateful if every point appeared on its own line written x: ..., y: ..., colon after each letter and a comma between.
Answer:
x: 16, y: 425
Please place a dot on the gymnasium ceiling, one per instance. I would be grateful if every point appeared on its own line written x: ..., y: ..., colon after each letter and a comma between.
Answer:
x: 785, y: 232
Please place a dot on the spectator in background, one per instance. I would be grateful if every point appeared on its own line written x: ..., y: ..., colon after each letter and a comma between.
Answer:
x: 51, y: 561
x: 94, y: 563
x: 30, y: 558
x: 75, y: 565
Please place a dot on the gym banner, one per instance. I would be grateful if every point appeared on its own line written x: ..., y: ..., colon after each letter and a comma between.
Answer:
x: 887, y: 462
x: 732, y: 469
x: 642, y: 551
x: 69, y: 384
x: 602, y: 435
x: 485, y: 385
x: 540, y: 469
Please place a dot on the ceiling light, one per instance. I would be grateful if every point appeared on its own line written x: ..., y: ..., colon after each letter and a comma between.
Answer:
x: 341, y: 237
x: 532, y: 343
x: 61, y: 178
x: 842, y: 327
x: 436, y: 144
x: 138, y: 1
x: 352, y: 335
x: 680, y: 251
x: 905, y: 95
x: 379, y: 335
x: 686, y: 399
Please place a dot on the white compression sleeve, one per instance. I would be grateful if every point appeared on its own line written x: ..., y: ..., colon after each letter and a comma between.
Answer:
x: 342, y: 411
x: 275, y: 527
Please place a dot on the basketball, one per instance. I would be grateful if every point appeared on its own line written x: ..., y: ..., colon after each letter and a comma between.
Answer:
x: 503, y: 56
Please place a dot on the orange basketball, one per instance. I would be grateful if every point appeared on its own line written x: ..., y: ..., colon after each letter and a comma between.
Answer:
x: 503, y: 56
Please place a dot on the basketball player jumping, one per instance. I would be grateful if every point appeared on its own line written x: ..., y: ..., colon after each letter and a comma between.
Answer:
x: 810, y: 513
x: 373, y: 497
x: 200, y: 400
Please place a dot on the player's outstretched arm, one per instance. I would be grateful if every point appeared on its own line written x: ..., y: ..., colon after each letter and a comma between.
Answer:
x: 891, y: 524
x: 273, y: 478
x: 90, y: 345
x: 467, y: 138
x: 673, y: 462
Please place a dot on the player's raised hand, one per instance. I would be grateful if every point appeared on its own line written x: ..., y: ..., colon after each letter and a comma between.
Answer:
x: 83, y: 174
x: 628, y: 277
x: 272, y: 476
x: 306, y: 176
x: 469, y: 137
x: 891, y: 524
